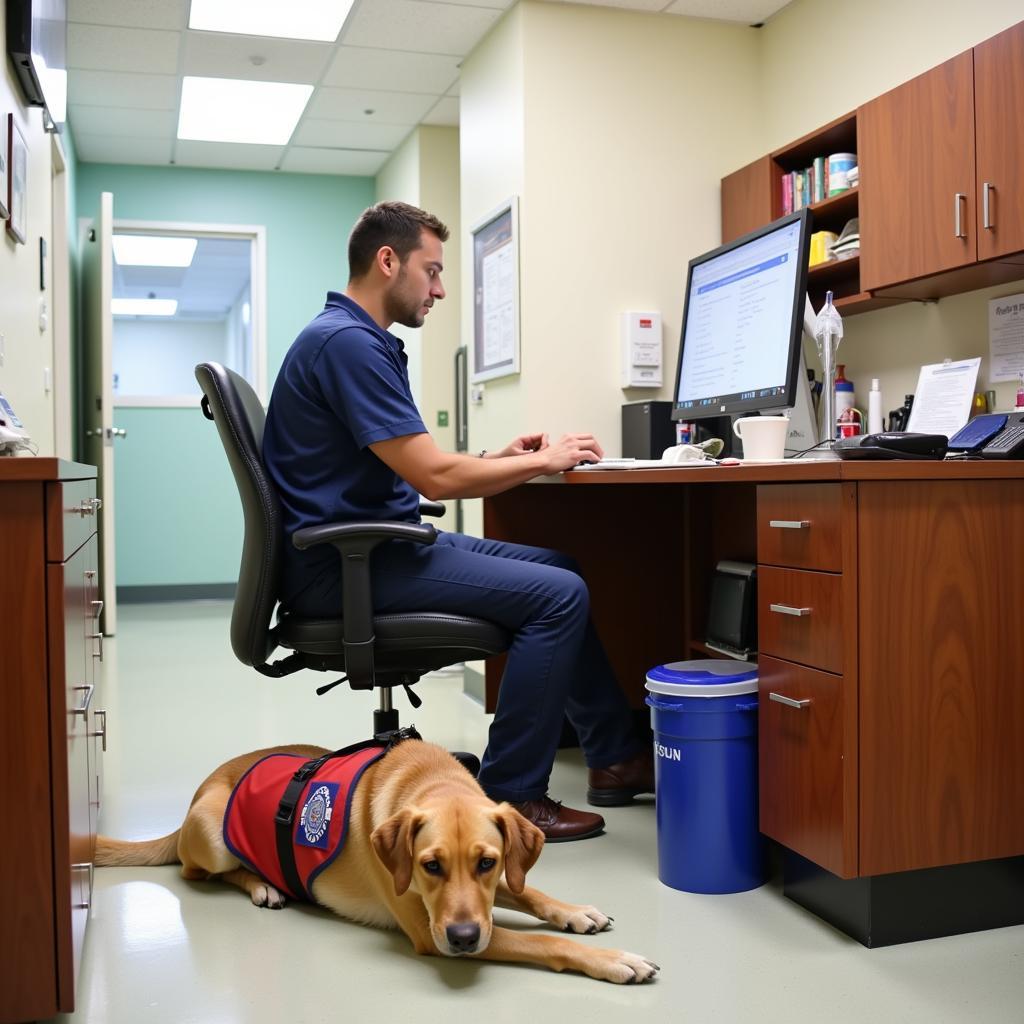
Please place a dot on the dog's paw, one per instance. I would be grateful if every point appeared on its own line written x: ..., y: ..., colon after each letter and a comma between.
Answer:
x: 264, y: 895
x: 582, y: 920
x: 624, y: 968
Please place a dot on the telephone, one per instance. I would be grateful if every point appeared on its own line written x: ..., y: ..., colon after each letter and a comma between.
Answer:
x: 1008, y: 443
x: 13, y: 434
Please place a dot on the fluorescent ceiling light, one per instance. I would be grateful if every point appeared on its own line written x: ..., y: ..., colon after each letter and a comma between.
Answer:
x: 154, y: 250
x: 144, y: 307
x: 296, y: 19
x: 230, y: 110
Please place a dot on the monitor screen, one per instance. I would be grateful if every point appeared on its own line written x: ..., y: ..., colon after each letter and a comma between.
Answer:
x: 739, y: 349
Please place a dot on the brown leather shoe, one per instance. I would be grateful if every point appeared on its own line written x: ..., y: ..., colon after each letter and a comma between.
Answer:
x: 617, y: 784
x: 560, y: 824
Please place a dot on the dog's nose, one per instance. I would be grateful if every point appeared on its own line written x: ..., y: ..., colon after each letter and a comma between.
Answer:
x: 462, y: 938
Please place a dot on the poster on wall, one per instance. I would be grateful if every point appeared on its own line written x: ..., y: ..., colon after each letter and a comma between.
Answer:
x: 3, y: 168
x: 17, y: 180
x: 496, y: 293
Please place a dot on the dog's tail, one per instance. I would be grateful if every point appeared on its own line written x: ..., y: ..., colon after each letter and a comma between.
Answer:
x: 116, y: 853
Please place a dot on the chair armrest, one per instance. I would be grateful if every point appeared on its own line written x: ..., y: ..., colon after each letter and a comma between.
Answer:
x: 354, y: 543
x: 431, y: 508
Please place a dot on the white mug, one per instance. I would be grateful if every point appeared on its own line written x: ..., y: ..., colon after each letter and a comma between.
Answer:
x: 763, y: 437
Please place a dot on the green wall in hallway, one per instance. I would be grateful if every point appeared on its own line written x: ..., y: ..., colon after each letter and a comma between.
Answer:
x: 176, y: 508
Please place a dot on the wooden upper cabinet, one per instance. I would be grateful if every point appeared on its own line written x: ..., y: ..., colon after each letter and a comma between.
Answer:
x: 747, y: 199
x: 999, y: 99
x: 916, y: 154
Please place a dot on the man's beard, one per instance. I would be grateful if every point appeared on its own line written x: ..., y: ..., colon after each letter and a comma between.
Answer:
x: 402, y: 309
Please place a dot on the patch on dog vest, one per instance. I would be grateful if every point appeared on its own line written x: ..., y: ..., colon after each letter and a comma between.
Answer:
x: 321, y: 821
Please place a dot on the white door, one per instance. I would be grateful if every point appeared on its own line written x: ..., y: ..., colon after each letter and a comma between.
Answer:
x: 98, y: 392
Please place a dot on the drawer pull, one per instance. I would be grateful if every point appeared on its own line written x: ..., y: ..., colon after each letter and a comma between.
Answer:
x: 786, y: 609
x: 788, y: 701
x: 789, y: 524
x: 98, y: 608
x: 83, y: 708
x: 86, y: 866
x: 101, y: 733
x: 97, y: 636
x: 89, y: 507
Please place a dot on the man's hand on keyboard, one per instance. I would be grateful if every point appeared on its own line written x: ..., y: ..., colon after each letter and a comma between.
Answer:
x: 572, y: 449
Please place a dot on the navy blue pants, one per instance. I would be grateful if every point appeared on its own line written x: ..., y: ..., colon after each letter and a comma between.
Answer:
x: 556, y: 665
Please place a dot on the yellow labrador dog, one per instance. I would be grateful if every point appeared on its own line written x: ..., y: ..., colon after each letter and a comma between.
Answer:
x: 426, y: 851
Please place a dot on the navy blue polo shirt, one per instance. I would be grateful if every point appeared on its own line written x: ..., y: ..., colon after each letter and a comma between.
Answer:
x: 343, y: 385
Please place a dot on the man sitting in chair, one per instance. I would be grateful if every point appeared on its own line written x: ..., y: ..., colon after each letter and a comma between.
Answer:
x: 345, y: 441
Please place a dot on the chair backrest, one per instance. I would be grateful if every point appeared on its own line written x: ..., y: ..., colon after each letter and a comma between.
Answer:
x: 233, y: 406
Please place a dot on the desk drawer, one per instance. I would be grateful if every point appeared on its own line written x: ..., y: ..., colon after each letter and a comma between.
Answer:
x: 800, y: 526
x: 803, y: 802
x: 72, y: 512
x: 800, y: 616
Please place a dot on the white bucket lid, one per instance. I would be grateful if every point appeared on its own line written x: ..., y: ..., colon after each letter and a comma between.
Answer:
x: 707, y: 677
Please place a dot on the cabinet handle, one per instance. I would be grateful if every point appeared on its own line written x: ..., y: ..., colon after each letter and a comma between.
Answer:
x: 97, y: 636
x: 83, y: 708
x: 788, y: 701
x: 98, y: 605
x: 789, y: 524
x: 787, y: 609
x: 84, y: 866
x: 101, y: 733
x: 986, y: 220
x: 958, y: 199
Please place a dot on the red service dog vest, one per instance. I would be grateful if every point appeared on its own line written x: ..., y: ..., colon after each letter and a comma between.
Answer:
x: 321, y: 815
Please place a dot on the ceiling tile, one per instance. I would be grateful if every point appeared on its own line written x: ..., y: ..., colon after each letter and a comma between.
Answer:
x: 121, y: 149
x: 320, y: 133
x: 307, y: 160
x: 145, y: 124
x: 171, y: 14
x: 445, y: 112
x: 122, y: 88
x: 227, y: 154
x: 215, y: 55
x: 498, y: 5
x: 123, y: 49
x: 454, y: 90
x: 627, y: 5
x: 357, y: 67
x: 418, y: 26
x: 388, y: 107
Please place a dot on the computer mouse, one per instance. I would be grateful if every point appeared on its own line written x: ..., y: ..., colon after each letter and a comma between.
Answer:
x: 729, y: 462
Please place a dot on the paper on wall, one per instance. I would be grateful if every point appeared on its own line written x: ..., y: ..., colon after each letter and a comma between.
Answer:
x: 1006, y: 337
x: 942, y: 402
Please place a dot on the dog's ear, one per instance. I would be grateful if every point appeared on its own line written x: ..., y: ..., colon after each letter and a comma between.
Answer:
x: 523, y: 843
x: 392, y: 842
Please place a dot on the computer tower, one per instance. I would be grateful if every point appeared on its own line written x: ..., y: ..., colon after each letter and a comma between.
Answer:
x: 647, y: 429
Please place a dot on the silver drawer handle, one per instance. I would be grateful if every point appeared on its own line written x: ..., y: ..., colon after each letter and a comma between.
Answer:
x: 85, y: 866
x: 958, y: 199
x: 785, y: 609
x: 83, y: 708
x: 788, y: 701
x: 98, y: 608
x: 790, y: 524
x: 101, y: 733
x: 88, y: 507
x: 986, y: 189
x: 97, y: 636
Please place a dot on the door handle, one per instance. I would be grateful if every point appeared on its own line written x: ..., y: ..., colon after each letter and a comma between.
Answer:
x: 788, y: 701
x: 787, y: 609
x: 986, y: 219
x: 958, y: 199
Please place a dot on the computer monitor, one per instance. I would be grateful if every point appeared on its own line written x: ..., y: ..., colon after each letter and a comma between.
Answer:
x: 741, y: 340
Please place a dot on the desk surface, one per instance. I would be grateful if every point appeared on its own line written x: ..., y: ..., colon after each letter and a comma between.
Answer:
x: 799, y: 471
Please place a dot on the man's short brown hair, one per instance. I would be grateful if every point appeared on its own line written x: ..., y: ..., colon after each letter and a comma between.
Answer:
x: 394, y: 224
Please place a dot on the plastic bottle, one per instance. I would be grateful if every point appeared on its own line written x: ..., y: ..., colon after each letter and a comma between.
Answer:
x: 874, y: 407
x: 1020, y: 390
x: 844, y: 395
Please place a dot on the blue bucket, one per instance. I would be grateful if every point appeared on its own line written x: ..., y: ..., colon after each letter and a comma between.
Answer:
x: 704, y: 715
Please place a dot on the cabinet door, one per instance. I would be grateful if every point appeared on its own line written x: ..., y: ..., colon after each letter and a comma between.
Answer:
x: 803, y: 800
x: 747, y: 200
x: 917, y: 174
x: 72, y: 691
x: 999, y: 99
x: 97, y: 720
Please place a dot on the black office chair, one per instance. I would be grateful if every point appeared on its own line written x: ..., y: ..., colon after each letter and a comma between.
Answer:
x: 371, y: 650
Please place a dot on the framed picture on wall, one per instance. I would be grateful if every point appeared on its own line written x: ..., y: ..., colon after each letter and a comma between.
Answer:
x: 3, y: 168
x: 496, y: 293
x: 17, y: 181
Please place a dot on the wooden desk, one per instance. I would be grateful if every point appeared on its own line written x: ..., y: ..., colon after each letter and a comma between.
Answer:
x: 910, y: 754
x: 51, y: 730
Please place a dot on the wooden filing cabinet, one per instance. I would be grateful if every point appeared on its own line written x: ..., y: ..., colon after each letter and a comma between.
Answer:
x: 807, y: 632
x: 52, y: 731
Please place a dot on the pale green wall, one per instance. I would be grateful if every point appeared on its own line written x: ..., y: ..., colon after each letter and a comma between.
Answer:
x: 177, y: 511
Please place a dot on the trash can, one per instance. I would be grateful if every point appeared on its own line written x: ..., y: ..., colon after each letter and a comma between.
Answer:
x: 704, y: 715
